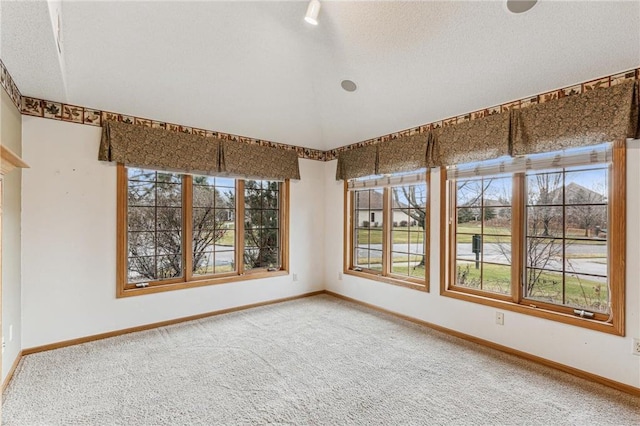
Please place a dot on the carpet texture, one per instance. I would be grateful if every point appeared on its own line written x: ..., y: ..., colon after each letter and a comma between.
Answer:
x: 317, y: 360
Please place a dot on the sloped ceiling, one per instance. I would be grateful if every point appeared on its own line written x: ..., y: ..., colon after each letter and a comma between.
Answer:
x: 257, y: 69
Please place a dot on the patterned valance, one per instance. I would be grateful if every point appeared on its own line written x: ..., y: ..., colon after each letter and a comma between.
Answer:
x: 403, y: 154
x: 593, y: 117
x: 243, y: 160
x: 476, y: 140
x: 357, y: 163
x: 160, y: 149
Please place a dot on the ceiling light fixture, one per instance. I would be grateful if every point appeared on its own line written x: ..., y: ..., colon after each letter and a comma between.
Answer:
x: 520, y: 6
x: 312, y: 12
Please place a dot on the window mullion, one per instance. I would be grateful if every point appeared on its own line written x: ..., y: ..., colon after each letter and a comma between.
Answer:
x: 283, y: 244
x: 187, y: 226
x: 518, y: 238
x: 453, y: 225
x: 239, y: 255
x: 386, y: 232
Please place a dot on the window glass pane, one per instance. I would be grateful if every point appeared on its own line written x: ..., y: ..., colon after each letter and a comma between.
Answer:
x: 141, y: 218
x: 496, y: 250
x: 400, y: 263
x: 141, y: 175
x: 368, y: 222
x: 543, y: 285
x: 375, y: 260
x: 587, y: 292
x: 544, y: 189
x: 468, y: 219
x: 213, y: 224
x: 545, y: 221
x: 544, y: 253
x: 154, y: 222
x: 498, y: 191
x: 496, y: 278
x: 169, y: 218
x: 586, y: 186
x: 567, y: 245
x: 262, y: 224
x: 141, y: 244
x: 169, y: 194
x: 497, y: 220
x: 141, y: 269
x: 361, y: 257
x: 586, y: 257
x: 587, y: 220
x: 469, y: 192
x: 408, y: 209
x: 468, y: 274
x: 203, y: 196
x: 224, y: 261
x: 169, y: 242
x: 169, y: 266
x: 483, y: 234
x: 141, y: 194
x: 203, y: 263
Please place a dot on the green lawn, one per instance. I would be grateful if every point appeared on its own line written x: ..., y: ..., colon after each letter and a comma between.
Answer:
x: 401, y: 234
x: 581, y: 292
x: 228, y: 239
x: 204, y: 270
x: 466, y: 229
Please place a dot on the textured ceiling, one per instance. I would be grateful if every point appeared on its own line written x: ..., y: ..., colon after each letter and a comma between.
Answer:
x: 257, y: 69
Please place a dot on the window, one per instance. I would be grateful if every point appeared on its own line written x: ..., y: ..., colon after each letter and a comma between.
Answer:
x: 542, y: 235
x: 178, y: 231
x: 387, y: 229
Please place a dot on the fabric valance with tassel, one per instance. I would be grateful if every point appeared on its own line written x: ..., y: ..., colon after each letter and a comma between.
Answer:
x: 152, y: 148
x: 242, y: 160
x: 591, y: 118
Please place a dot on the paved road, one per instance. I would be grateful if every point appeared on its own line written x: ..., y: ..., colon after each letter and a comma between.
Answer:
x: 592, y: 261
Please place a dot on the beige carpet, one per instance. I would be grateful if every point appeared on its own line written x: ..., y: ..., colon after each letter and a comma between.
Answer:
x: 316, y: 361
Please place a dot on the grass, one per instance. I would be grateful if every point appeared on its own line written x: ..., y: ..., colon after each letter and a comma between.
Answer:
x: 228, y: 239
x: 209, y: 270
x: 578, y: 292
x: 401, y: 235
x: 465, y: 230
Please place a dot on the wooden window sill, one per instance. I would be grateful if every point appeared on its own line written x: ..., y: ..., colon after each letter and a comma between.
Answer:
x: 388, y: 280
x: 159, y: 288
x: 536, y: 311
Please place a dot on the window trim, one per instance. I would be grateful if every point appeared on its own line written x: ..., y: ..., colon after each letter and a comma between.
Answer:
x: 516, y: 302
x: 349, y: 238
x: 124, y: 289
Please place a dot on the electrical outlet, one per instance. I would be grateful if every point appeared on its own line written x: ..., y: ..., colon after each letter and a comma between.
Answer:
x: 3, y: 345
x: 636, y: 347
x: 339, y: 276
x: 295, y: 277
x: 499, y: 318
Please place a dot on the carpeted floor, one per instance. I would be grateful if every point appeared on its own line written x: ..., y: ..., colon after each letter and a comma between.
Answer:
x: 316, y: 360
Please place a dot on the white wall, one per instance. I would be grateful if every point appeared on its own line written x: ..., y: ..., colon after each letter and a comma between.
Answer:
x: 599, y: 353
x: 10, y: 135
x: 68, y: 262
x: 69, y: 244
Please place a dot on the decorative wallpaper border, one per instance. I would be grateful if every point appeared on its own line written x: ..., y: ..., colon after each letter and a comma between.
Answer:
x: 94, y: 117
x: 608, y: 81
x: 7, y: 83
